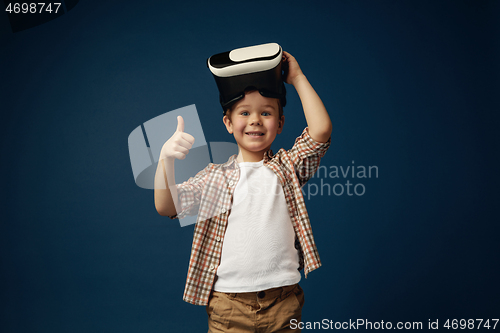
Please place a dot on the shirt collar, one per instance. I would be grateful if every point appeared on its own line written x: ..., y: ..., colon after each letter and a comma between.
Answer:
x: 268, y: 155
x: 231, y: 162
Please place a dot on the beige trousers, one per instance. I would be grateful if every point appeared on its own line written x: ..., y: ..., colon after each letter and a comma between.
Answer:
x: 264, y: 311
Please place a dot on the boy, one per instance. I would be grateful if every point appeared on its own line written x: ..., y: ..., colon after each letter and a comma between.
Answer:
x: 246, y: 257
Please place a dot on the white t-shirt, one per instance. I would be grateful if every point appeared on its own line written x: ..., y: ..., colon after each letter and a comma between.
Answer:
x: 258, y: 251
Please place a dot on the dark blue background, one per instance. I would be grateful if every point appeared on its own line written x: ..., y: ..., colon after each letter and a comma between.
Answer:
x: 411, y: 87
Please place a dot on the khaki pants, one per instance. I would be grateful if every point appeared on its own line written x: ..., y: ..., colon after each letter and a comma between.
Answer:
x: 265, y: 311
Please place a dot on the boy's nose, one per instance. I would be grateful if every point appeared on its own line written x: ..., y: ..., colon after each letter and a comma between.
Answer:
x: 255, y: 121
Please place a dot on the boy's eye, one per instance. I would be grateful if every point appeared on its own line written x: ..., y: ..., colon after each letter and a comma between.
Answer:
x: 266, y: 113
x: 244, y: 113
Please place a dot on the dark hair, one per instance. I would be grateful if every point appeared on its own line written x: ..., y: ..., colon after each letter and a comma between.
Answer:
x: 280, y: 107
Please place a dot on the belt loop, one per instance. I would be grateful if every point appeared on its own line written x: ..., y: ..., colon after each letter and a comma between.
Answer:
x: 283, y: 292
x: 287, y: 290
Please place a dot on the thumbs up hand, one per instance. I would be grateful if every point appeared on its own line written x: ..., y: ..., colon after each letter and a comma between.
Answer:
x: 179, y: 143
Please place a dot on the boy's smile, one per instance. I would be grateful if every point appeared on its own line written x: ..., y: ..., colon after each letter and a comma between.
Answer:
x: 254, y: 122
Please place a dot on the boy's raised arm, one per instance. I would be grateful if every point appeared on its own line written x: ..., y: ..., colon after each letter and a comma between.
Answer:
x: 165, y: 190
x: 318, y: 120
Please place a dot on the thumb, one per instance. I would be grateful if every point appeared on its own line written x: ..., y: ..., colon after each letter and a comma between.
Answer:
x: 180, y: 124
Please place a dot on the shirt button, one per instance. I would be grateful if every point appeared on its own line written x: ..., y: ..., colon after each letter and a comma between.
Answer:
x: 231, y: 183
x: 218, y: 238
x: 223, y: 210
x: 212, y: 267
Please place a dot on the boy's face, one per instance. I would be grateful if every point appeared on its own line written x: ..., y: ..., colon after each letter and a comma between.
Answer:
x: 254, y: 121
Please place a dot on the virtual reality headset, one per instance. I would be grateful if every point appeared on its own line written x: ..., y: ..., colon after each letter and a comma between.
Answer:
x: 248, y: 68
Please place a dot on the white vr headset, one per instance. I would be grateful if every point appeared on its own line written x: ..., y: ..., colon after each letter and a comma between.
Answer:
x: 254, y: 67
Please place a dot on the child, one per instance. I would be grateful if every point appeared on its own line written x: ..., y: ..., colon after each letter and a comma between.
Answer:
x: 246, y: 258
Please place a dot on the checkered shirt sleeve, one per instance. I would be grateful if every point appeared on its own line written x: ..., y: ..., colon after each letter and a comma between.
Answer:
x: 189, y: 194
x: 306, y: 155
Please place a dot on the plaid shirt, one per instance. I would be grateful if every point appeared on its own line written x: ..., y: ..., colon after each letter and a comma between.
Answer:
x: 210, y: 194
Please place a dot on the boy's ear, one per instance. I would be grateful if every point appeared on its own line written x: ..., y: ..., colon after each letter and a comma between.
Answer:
x: 281, y: 122
x: 229, y: 125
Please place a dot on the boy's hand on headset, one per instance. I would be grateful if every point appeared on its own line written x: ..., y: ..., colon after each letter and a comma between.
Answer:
x: 290, y: 68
